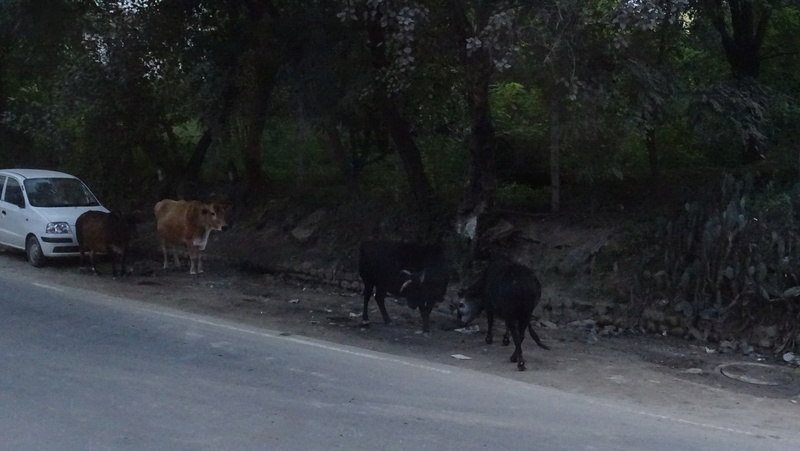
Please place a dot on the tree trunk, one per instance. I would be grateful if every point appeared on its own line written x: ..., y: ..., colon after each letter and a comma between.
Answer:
x: 264, y: 59
x: 333, y: 139
x: 742, y: 44
x: 555, y: 152
x: 478, y: 200
x: 652, y: 154
x: 266, y: 72
x: 400, y: 131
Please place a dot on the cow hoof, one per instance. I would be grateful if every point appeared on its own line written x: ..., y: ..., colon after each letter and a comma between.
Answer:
x: 365, y: 324
x: 514, y: 358
x: 521, y: 366
x: 489, y: 339
x: 506, y: 341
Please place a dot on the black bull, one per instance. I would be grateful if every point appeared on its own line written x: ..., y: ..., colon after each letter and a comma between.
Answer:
x: 509, y: 290
x: 415, y: 271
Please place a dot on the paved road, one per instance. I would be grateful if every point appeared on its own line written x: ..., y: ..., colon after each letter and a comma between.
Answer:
x: 80, y: 371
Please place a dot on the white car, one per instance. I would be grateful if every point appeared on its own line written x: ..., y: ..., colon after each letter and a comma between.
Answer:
x: 38, y: 210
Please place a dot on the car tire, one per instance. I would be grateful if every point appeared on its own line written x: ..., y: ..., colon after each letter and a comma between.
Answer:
x: 34, y: 252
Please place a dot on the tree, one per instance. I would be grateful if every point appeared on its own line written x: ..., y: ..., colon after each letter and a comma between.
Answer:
x: 390, y: 31
x: 743, y: 27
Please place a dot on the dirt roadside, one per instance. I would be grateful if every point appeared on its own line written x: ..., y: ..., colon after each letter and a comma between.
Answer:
x: 665, y: 376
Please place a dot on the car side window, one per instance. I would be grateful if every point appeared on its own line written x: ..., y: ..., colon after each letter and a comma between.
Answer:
x: 13, y: 194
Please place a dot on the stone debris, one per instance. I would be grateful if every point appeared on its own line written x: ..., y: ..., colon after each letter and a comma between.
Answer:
x: 460, y: 357
x: 549, y: 325
x: 468, y: 330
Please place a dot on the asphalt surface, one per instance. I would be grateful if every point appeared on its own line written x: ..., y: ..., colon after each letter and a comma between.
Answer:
x: 85, y: 371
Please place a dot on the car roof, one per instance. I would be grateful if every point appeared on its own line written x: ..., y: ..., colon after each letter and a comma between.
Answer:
x: 37, y: 173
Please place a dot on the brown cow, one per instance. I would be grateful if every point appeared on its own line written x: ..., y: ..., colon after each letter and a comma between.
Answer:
x: 108, y: 233
x: 190, y: 223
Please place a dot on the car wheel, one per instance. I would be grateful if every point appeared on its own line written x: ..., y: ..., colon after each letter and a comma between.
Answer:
x: 34, y: 251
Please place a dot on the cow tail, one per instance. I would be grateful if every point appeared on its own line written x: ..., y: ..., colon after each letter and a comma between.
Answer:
x: 536, y: 338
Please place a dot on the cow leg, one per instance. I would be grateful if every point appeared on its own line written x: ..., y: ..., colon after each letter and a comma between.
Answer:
x: 380, y: 296
x: 166, y: 253
x: 426, y: 320
x: 199, y: 262
x: 113, y: 256
x: 192, y: 260
x: 123, y: 257
x: 518, y: 334
x: 367, y: 294
x: 176, y: 257
x: 91, y: 260
x: 489, y: 326
x: 506, y: 341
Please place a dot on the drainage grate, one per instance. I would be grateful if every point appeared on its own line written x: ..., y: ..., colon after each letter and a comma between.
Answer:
x: 756, y: 373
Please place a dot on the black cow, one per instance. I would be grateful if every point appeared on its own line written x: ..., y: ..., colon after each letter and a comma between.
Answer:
x: 415, y: 271
x: 511, y: 291
x: 107, y: 233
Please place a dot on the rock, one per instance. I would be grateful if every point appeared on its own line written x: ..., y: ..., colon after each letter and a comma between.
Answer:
x: 609, y: 330
x: 696, y: 334
x: 308, y: 226
x: 583, y: 323
x: 655, y: 315
x: 499, y: 231
x: 580, y: 255
x: 727, y: 346
x: 549, y: 325
x: 694, y: 371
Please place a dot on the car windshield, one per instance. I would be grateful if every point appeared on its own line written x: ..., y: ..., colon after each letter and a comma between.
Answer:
x: 59, y: 192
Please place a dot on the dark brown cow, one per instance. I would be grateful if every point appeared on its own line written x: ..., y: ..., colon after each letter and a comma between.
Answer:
x: 107, y: 233
x: 189, y: 223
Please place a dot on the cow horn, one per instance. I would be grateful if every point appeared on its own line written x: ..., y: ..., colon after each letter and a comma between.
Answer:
x: 404, y: 285
x: 406, y: 272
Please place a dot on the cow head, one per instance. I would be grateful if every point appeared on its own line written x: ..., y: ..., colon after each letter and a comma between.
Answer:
x: 467, y: 307
x: 214, y: 217
x: 411, y: 287
x: 423, y: 290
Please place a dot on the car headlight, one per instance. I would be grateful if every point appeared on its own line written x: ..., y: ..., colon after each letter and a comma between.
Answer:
x: 57, y: 227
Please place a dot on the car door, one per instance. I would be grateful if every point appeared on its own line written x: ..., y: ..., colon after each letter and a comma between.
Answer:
x: 13, y: 213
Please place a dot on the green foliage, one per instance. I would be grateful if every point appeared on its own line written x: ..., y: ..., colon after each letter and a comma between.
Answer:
x: 520, y: 197
x: 732, y: 260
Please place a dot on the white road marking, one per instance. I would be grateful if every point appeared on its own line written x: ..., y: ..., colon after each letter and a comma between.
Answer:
x: 49, y: 287
x: 302, y: 341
